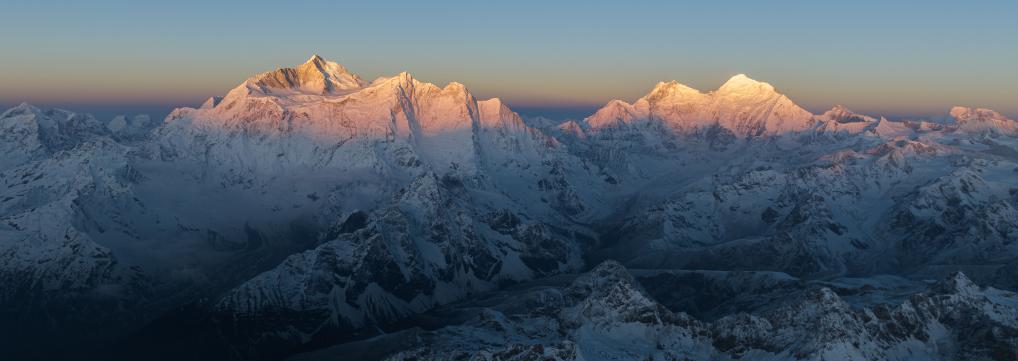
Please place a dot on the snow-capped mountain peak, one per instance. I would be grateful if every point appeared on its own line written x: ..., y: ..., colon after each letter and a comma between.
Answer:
x: 671, y: 89
x: 743, y: 106
x: 22, y: 108
x: 966, y: 114
x: 315, y: 58
x: 956, y: 283
x: 316, y: 76
x: 27, y: 131
x: 439, y: 123
x: 980, y: 120
x: 841, y: 114
x: 614, y: 114
x: 743, y: 84
x: 315, y: 203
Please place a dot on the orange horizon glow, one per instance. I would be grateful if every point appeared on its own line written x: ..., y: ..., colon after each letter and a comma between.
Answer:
x: 903, y: 57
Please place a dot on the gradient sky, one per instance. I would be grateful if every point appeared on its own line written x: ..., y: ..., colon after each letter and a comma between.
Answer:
x: 897, y: 58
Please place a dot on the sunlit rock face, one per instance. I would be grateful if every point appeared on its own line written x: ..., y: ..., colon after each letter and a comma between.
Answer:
x: 309, y: 209
x: 316, y: 77
x: 305, y: 115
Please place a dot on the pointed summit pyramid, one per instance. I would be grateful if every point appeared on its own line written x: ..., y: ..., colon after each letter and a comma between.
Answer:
x: 316, y: 76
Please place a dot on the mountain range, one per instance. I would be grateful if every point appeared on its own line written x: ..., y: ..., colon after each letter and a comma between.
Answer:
x: 311, y: 214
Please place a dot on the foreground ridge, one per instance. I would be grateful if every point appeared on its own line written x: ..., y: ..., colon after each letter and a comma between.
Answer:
x: 617, y: 319
x: 308, y: 209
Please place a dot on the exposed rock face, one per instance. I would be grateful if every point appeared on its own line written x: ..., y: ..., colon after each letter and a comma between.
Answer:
x: 308, y: 207
x: 316, y: 76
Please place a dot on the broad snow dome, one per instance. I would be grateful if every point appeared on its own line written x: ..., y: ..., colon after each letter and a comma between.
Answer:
x: 744, y: 106
x: 980, y: 120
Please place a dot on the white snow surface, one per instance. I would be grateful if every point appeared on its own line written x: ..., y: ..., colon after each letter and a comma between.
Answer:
x: 311, y: 193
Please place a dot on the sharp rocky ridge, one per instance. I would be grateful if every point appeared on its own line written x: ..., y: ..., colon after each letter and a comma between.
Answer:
x: 308, y: 209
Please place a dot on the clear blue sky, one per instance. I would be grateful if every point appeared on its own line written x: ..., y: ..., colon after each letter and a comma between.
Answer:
x: 882, y: 57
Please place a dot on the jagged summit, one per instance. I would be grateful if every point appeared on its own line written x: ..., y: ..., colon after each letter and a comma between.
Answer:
x: 315, y: 76
x: 292, y: 213
x: 211, y: 102
x: 315, y: 58
x: 27, y: 131
x: 841, y: 114
x: 956, y: 283
x: 330, y: 100
x: 320, y: 102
